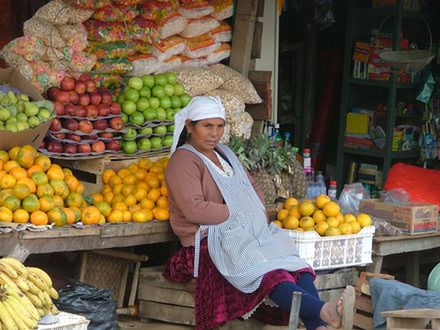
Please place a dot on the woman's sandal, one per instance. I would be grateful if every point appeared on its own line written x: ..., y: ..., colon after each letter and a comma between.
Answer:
x: 348, y: 308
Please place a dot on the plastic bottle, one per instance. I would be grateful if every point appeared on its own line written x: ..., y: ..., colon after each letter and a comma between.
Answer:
x: 287, y: 137
x: 322, y: 188
x: 332, y: 190
x: 278, y: 137
x: 307, y: 161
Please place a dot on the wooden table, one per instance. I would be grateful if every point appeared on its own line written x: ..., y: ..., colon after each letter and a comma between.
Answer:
x: 86, y: 238
x: 388, y: 245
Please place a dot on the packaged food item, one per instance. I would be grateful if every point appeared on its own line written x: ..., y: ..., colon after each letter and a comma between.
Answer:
x: 224, y: 51
x: 17, y: 61
x: 197, y: 27
x: 78, y: 43
x: 59, y: 13
x: 195, y: 9
x: 116, y: 13
x: 172, y: 24
x: 200, y: 46
x: 144, y: 30
x: 143, y: 64
x: 232, y: 104
x: 45, y: 76
x: 198, y: 81
x: 88, y: 4
x: 113, y: 82
x: 28, y: 47
x: 170, y: 64
x: 43, y: 30
x: 69, y: 31
x: 55, y: 54
x: 223, y: 9
x: 222, y: 33
x: 105, y: 32
x: 156, y: 10
x: 141, y: 47
x: 111, y: 50
x: 166, y: 48
x: 241, y: 125
x: 113, y: 65
x: 125, y: 2
x: 188, y: 62
x: 82, y: 62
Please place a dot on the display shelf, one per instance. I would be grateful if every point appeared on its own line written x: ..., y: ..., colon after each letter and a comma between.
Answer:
x: 381, y: 153
x: 380, y: 83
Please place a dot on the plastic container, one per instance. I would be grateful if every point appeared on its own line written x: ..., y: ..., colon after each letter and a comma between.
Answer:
x: 67, y: 321
x: 277, y: 136
x: 332, y: 190
x: 334, y: 251
x: 287, y: 137
x: 307, y: 161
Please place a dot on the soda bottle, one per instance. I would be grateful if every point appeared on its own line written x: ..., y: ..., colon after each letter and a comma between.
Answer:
x: 278, y: 137
x: 332, y: 190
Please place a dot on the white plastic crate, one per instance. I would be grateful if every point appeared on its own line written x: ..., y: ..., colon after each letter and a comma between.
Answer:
x: 334, y: 251
x: 67, y: 321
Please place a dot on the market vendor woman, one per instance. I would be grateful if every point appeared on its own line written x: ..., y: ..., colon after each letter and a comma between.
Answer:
x: 240, y: 262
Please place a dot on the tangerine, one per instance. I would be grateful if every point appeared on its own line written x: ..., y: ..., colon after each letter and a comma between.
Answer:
x: 126, y: 216
x: 13, y: 152
x: 21, y: 216
x: 282, y: 214
x: 39, y: 178
x: 45, y: 189
x: 364, y: 220
x: 321, y: 228
x: 46, y: 203
x: 12, y: 203
x: 144, y: 185
x: 71, y: 182
x: 31, y: 203
x: 306, y: 208
x: 29, y: 183
x: 21, y: 190
x: 162, y: 202
x: 9, y: 165
x: 332, y: 231
x: 59, y: 202
x: 140, y: 194
x: 133, y: 168
x: 153, y: 181
x: 7, y: 181
x: 154, y: 194
x: 57, y: 216
x: 26, y: 156
x: 294, y: 211
x: 18, y: 173
x: 345, y: 229
x: 130, y: 179
x: 55, y: 173
x: 6, y: 214
x: 147, y: 203
x: 114, y: 180
x: 164, y: 190
x: 43, y: 162
x: 4, y: 156
x: 77, y: 212
x: 74, y: 199
x: 67, y: 171
x: 306, y: 222
x: 115, y: 216
x: 290, y: 222
x: 118, y: 198
x: 60, y: 188
x: 106, y: 188
x: 319, y: 216
x: 5, y: 193
x: 130, y: 200
x: 290, y: 202
x: 120, y: 206
x: 108, y: 197
x: 349, y: 217
x: 118, y: 189
x: 140, y: 174
x: 144, y: 163
x: 90, y: 215
x: 161, y: 214
x: 278, y: 223
x: 128, y: 189
x: 331, y: 209
x: 34, y: 169
x: 70, y: 215
x: 80, y: 188
x: 106, y: 175
x: 39, y: 218
x: 123, y: 172
x: 321, y: 200
x: 97, y: 198
x: 104, y: 208
x: 333, y: 222
x: 355, y: 226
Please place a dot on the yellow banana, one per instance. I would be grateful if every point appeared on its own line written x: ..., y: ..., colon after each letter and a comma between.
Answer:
x: 33, y: 288
x: 36, y: 301
x: 53, y: 293
x: 38, y: 282
x: 2, y: 281
x: 17, y: 265
x: 22, y: 284
x: 55, y: 310
x: 1, y: 326
x: 41, y: 274
x: 8, y: 270
x: 20, y: 315
x: 10, y: 283
x: 6, y: 317
x: 41, y: 312
x: 25, y: 302
x: 47, y: 300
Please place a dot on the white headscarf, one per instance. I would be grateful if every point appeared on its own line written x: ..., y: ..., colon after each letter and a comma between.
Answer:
x: 200, y: 107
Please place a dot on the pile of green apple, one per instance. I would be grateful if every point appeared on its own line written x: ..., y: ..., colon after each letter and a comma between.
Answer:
x: 147, y: 138
x: 17, y: 113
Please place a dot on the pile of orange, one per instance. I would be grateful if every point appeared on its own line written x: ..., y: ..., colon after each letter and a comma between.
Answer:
x: 321, y: 215
x: 136, y: 193
x: 34, y: 190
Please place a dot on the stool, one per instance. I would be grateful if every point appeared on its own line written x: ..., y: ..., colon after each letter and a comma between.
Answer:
x: 412, y: 319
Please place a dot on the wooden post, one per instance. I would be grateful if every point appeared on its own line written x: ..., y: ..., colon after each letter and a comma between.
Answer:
x: 294, y: 310
x: 19, y: 252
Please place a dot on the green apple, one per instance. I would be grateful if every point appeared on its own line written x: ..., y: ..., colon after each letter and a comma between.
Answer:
x: 11, y: 127
x: 21, y: 117
x: 160, y: 79
x: 160, y: 130
x: 150, y: 114
x: 154, y: 102
x: 128, y: 107
x: 171, y: 78
x: 131, y: 94
x: 129, y: 147
x: 21, y: 126
x: 44, y: 114
x: 136, y: 83
x: 170, y: 114
x: 170, y: 128
x: 169, y: 90
x: 156, y: 142
x: 145, y: 92
x: 130, y: 133
x: 145, y: 131
x: 121, y: 99
x: 161, y: 114
x: 142, y: 104
x: 178, y: 89
x: 137, y: 118
x: 124, y: 117
x: 5, y: 114
x: 185, y: 99
x: 34, y: 121
x: 158, y: 91
x: 144, y: 144
x: 175, y: 102
x: 30, y: 109
x: 148, y: 80
x: 165, y: 102
x: 167, y: 141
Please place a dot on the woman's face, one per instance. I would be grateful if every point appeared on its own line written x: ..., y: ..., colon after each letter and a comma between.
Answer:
x: 206, y: 133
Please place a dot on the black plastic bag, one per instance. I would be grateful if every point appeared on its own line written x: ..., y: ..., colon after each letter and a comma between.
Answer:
x: 94, y: 304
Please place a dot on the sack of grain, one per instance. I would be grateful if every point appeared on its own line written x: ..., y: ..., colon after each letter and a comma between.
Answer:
x: 44, y: 30
x: 198, y: 81
x: 232, y: 104
x: 59, y: 13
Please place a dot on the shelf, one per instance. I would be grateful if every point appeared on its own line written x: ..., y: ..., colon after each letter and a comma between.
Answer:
x: 380, y: 83
x: 381, y: 153
x: 405, y: 154
x: 385, y: 12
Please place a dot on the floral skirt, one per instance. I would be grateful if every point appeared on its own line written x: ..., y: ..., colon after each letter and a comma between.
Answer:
x: 216, y: 300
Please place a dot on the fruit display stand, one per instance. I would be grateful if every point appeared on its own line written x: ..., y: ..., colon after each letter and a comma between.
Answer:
x: 67, y: 321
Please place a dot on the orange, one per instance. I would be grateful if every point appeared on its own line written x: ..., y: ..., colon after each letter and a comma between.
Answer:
x: 147, y: 204
x: 278, y: 223
x: 290, y: 222
x: 349, y: 217
x: 26, y: 156
x: 164, y: 161
x: 39, y: 218
x: 156, y: 168
x: 319, y: 216
x: 134, y: 208
x: 34, y: 169
x: 161, y: 177
x: 21, y: 216
x: 126, y: 216
x: 4, y: 156
x: 29, y: 183
x: 364, y: 220
x: 333, y: 222
x: 290, y: 202
x: 145, y: 163
x: 2, y: 163
x: 321, y: 200
x: 5, y: 193
x: 106, y: 175
x: 21, y: 190
x: 6, y: 214
x: 154, y: 194
x: 46, y: 203
x: 140, y: 194
x: 130, y: 179
x: 101, y: 220
x: 118, y: 198
x: 57, y: 216
x: 96, y: 198
x: 45, y: 189
x: 55, y: 173
x: 117, y: 189
x: 306, y: 223
x: 60, y: 188
x: 123, y: 172
x: 115, y: 216
x: 31, y: 203
x: 12, y: 203
x: 18, y: 173
x: 77, y: 213
x: 108, y: 197
x: 321, y: 228
x: 355, y: 226
x: 70, y: 215
x: 149, y: 214
x: 331, y: 209
x: 164, y: 191
x: 7, y: 181
x: 104, y: 208
x: 39, y: 178
x: 13, y: 152
x: 139, y: 216
x: 66, y: 171
x: 332, y: 231
x: 2, y: 174
x: 340, y: 217
x: 140, y: 174
x: 71, y: 182
x: 306, y: 208
x: 162, y: 202
x: 282, y: 214
x: 128, y: 189
x: 58, y: 201
x: 345, y: 229
x: 114, y: 180
x: 43, y: 162
x: 120, y: 206
x: 9, y: 165
x: 161, y: 214
x: 130, y: 200
x: 106, y: 188
x: 153, y: 181
x: 294, y: 211
x: 90, y: 215
x: 133, y: 168
x: 74, y: 199
x: 143, y: 184
x: 80, y: 188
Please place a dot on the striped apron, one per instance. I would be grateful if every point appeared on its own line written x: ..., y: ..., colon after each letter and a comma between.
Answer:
x: 245, y: 246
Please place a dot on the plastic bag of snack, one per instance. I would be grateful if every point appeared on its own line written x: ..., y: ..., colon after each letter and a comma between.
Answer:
x: 44, y: 30
x: 69, y: 31
x: 200, y: 46
x: 113, y: 65
x: 224, y: 51
x: 195, y: 9
x: 88, y: 4
x: 111, y: 50
x: 116, y: 13
x: 125, y: 2
x: 232, y: 104
x: 223, y: 9
x: 77, y: 43
x: 82, y: 62
x: 28, y: 47
x: 55, y: 54
x: 16, y: 61
x: 142, y: 29
x: 143, y: 64
x: 197, y: 27
x: 45, y: 76
x: 222, y: 33
x: 170, y: 64
x: 141, y: 47
x: 198, y: 81
x: 156, y: 10
x: 105, y: 32
x: 170, y: 25
x: 241, y: 125
x: 113, y: 82
x: 59, y: 13
x: 188, y: 62
x: 166, y: 48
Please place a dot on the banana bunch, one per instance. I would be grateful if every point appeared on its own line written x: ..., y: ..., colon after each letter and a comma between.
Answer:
x: 26, y: 295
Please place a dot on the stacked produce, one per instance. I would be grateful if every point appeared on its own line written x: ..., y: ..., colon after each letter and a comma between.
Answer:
x: 26, y: 295
x: 137, y: 193
x: 34, y: 190
x: 87, y: 119
x: 322, y: 215
x: 149, y: 104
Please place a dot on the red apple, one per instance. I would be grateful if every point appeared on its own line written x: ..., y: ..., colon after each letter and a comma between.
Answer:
x: 63, y: 97
x: 98, y: 146
x: 55, y: 146
x: 84, y: 148
x: 113, y: 145
x: 107, y: 98
x: 52, y: 92
x: 73, y: 137
x: 100, y: 124
x: 90, y: 86
x: 90, y: 137
x: 105, y: 135
x: 84, y: 99
x: 55, y: 125
x: 73, y: 97
x: 81, y: 111
x: 116, y: 123
x: 71, y: 124
x: 69, y: 109
x: 69, y: 148
x: 85, y: 126
x: 92, y: 111
x: 95, y: 98
x: 42, y: 145
x: 67, y: 83
x: 80, y: 87
x: 115, y: 108
x: 58, y: 108
x: 85, y: 76
x: 60, y: 136
x: 104, y: 110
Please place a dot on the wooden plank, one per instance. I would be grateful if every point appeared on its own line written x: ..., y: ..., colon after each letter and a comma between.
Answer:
x: 166, y: 313
x: 60, y: 232
x: 19, y: 252
x: 262, y: 83
x: 364, y: 304
x: 330, y: 295
x: 95, y: 166
x: 257, y: 41
x: 417, y: 313
x: 244, y: 25
x: 387, y: 246
x: 363, y: 322
x: 134, y: 284
x: 123, y: 287
x: 339, y: 279
x: 153, y: 276
x: 165, y: 296
x: 131, y: 229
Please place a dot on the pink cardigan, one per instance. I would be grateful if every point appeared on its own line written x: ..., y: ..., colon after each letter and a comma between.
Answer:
x: 194, y: 197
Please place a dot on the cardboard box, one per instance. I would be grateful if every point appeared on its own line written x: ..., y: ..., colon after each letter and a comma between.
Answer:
x: 32, y: 136
x: 413, y: 219
x: 357, y: 123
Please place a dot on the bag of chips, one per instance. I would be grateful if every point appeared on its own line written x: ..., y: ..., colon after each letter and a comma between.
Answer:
x: 111, y: 81
x: 88, y: 4
x: 116, y: 13
x: 197, y: 27
x: 193, y: 62
x: 43, y: 30
x: 105, y: 32
x: 144, y: 30
x: 28, y: 47
x: 200, y: 46
x: 141, y: 47
x: 113, y: 65
x: 170, y: 64
x: 170, y: 25
x: 166, y: 48
x: 224, y: 51
x: 111, y: 50
x: 157, y: 10
x: 223, y: 9
x: 142, y: 65
x: 69, y: 31
x: 195, y: 9
x: 59, y: 13
x: 222, y: 33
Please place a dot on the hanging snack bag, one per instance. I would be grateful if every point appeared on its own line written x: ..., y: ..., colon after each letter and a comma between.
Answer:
x: 141, y: 47
x: 157, y: 10
x: 200, y: 46
x: 170, y: 25
x: 232, y: 104
x: 82, y: 62
x: 111, y: 50
x: 88, y: 4
x: 195, y: 9
x: 125, y: 2
x: 193, y: 62
x: 143, y: 30
x: 56, y: 54
x: 69, y: 31
x: 224, y: 51
x: 143, y: 64
x: 223, y: 9
x: 44, y: 30
x: 113, y: 82
x: 60, y: 13
x: 114, y: 65
x: 116, y: 13
x: 28, y: 47
x: 197, y: 27
x: 166, y: 48
x: 198, y: 81
x: 105, y: 32
x: 222, y: 33
x: 16, y: 61
x: 170, y: 64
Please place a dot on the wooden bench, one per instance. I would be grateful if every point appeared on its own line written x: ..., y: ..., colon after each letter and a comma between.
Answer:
x: 412, y: 319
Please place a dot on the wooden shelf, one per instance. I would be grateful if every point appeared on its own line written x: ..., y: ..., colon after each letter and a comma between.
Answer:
x: 380, y: 83
x: 381, y: 153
